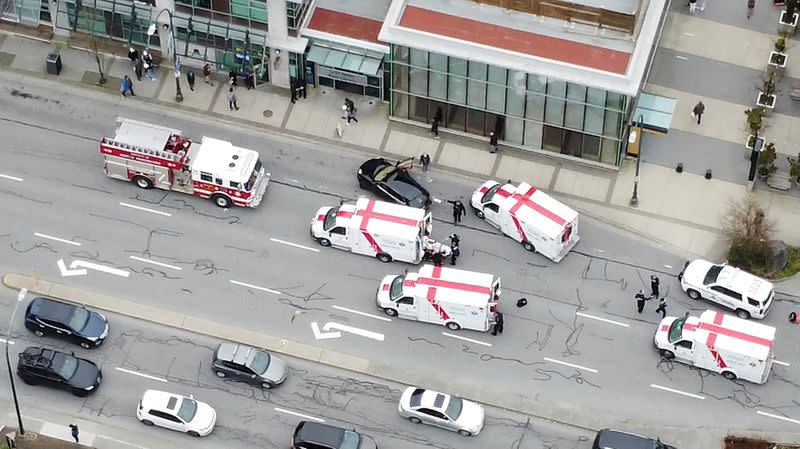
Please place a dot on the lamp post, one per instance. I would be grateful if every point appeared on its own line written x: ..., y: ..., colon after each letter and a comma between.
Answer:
x: 150, y: 31
x: 20, y: 297
x: 631, y: 139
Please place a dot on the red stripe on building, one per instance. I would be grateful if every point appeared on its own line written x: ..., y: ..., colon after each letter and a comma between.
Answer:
x: 547, y: 47
x: 347, y: 25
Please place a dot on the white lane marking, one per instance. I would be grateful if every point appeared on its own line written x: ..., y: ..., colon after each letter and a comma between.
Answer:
x: 605, y: 320
x: 782, y: 418
x: 682, y: 57
x: 782, y: 363
x: 436, y: 200
x: 477, y: 342
x: 147, y: 376
x: 600, y: 250
x: 301, y: 415
x: 160, y: 264
x: 296, y: 245
x: 377, y: 317
x: 689, y: 34
x: 62, y: 267
x: 3, y: 340
x: 591, y: 370
x: 668, y: 266
x: 98, y: 267
x: 696, y: 396
x: 133, y: 206
x: 68, y: 242
x: 319, y: 335
x: 126, y: 443
x: 12, y: 178
x: 353, y: 330
x: 263, y: 289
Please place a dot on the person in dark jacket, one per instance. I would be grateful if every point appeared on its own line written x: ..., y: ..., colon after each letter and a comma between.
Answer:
x: 458, y: 210
x: 454, y: 254
x: 232, y: 77
x: 302, y: 83
x: 133, y: 55
x: 654, y: 282
x: 138, y: 69
x: 493, y: 142
x: 436, y: 120
x: 498, y: 322
x: 662, y: 307
x: 293, y: 89
x: 190, y: 79
x: 437, y: 258
x: 640, y: 300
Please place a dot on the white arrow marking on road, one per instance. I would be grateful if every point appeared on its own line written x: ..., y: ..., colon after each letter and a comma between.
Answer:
x: 320, y: 336
x: 353, y: 330
x: 98, y: 267
x: 67, y: 272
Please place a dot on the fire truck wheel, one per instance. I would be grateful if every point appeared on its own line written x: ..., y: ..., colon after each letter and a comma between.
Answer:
x: 743, y: 314
x: 143, y: 182
x: 528, y: 246
x: 390, y: 312
x: 383, y: 257
x: 324, y: 242
x: 729, y: 375
x: 667, y: 354
x: 694, y: 294
x: 221, y: 201
x: 453, y: 326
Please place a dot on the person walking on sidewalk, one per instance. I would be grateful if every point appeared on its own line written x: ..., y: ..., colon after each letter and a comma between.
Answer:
x: 147, y: 60
x: 293, y: 89
x: 126, y: 85
x: 133, y: 55
x: 207, y: 74
x: 751, y: 6
x: 436, y: 120
x: 458, y: 210
x: 190, y: 79
x: 302, y: 83
x: 692, y: 6
x: 654, y: 283
x: 232, y: 99
x: 73, y: 430
x: 640, y: 300
x: 425, y: 161
x: 351, y: 110
x: 454, y: 253
x: 454, y: 240
x: 662, y: 307
x: 138, y: 69
x: 232, y: 77
x: 698, y: 110
x: 493, y: 142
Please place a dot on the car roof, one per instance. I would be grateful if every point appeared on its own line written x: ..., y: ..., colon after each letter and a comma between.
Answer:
x: 161, y: 400
x: 51, y: 309
x: 432, y: 399
x: 36, y: 356
x: 314, y: 432
x: 236, y: 353
x: 615, y: 439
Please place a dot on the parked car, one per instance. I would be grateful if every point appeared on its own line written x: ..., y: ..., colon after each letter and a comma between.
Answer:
x: 392, y: 182
x: 75, y: 323
x: 58, y: 369
x: 615, y: 439
x: 441, y: 410
x: 176, y: 412
x: 314, y: 435
x: 746, y: 294
x: 248, y: 364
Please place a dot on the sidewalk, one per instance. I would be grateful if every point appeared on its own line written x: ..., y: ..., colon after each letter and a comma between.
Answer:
x: 679, y: 211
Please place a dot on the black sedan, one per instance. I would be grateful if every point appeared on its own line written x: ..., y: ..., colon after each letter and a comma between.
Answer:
x: 58, y: 369
x: 392, y: 182
x: 46, y: 316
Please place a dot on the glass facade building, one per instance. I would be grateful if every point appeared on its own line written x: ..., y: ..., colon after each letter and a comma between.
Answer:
x: 523, y: 109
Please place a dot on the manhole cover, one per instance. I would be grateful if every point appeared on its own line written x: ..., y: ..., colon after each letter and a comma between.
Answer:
x: 267, y: 113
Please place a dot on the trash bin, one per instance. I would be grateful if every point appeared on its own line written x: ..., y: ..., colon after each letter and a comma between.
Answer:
x: 53, y: 61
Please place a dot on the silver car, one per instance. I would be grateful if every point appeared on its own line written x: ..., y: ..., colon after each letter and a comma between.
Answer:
x: 441, y: 410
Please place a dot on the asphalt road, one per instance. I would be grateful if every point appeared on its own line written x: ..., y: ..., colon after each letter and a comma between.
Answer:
x: 554, y: 351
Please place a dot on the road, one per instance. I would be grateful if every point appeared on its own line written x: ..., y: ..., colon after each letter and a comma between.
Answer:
x: 235, y: 266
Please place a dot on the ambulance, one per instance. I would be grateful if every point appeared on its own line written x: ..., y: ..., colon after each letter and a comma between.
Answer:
x: 454, y: 298
x: 374, y: 228
x: 725, y: 344
x: 540, y: 222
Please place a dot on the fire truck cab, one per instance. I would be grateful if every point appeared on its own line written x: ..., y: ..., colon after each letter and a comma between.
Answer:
x: 156, y: 156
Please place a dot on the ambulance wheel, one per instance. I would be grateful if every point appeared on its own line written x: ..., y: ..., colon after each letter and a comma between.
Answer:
x: 453, y: 326
x: 667, y: 354
x: 221, y: 201
x: 479, y: 213
x: 143, y: 182
x: 390, y: 312
x: 743, y: 314
x: 324, y: 242
x: 729, y: 375
x: 528, y: 246
x: 465, y: 433
x: 383, y: 257
x: 694, y: 294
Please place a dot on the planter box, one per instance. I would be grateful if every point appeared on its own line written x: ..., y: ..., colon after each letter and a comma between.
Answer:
x: 787, y: 28
x: 768, y: 105
x: 777, y: 62
x: 748, y: 145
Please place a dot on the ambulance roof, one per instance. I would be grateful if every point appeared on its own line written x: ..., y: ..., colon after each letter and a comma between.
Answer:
x: 220, y: 158
x: 450, y: 285
x: 731, y: 334
x: 382, y: 218
x: 533, y: 207
x: 152, y: 137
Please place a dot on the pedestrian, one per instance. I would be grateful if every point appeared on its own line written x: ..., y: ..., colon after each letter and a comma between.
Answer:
x: 436, y: 120
x: 293, y: 89
x: 133, y: 55
x: 425, y: 160
x: 232, y: 99
x: 232, y: 77
x: 454, y: 254
x: 73, y: 429
x: 698, y: 110
x: 207, y: 74
x: 147, y: 62
x: 249, y: 79
x: 454, y: 240
x: 126, y: 85
x: 692, y: 6
x: 751, y: 6
x: 437, y: 257
x: 640, y: 300
x: 662, y: 307
x: 654, y: 282
x: 498, y: 322
x: 303, y: 89
x: 493, y: 142
x: 190, y: 78
x: 793, y: 317
x: 458, y: 210
x: 138, y: 69
x: 351, y: 110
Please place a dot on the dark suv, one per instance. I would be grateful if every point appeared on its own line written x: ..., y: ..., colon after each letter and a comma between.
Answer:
x: 615, y: 439
x: 46, y: 316
x: 313, y: 435
x: 59, y: 369
x: 248, y: 364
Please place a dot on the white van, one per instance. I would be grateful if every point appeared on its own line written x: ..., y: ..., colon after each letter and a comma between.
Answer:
x: 746, y: 294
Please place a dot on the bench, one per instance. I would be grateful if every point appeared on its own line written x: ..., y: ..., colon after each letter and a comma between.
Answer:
x: 795, y: 94
x: 780, y: 181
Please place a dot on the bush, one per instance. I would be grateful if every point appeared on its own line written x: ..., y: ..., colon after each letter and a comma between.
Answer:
x: 748, y: 231
x: 732, y: 442
x: 792, y: 263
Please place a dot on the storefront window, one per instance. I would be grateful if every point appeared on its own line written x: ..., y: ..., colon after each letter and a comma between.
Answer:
x: 554, y: 105
x: 476, y: 88
x: 418, y: 72
x: 437, y: 81
x: 457, y: 85
x: 456, y: 117
x: 552, y: 138
x: 496, y: 90
x: 533, y: 134
x: 576, y: 95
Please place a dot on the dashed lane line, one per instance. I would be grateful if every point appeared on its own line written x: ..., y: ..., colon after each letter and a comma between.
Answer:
x: 671, y: 390
x: 591, y: 370
x: 605, y: 320
x: 296, y: 245
x: 133, y: 206
x: 377, y: 317
x: 160, y: 264
x: 263, y: 289
x: 57, y: 239
x: 782, y: 418
x: 298, y: 414
x: 477, y: 342
x: 146, y: 376
x: 10, y: 178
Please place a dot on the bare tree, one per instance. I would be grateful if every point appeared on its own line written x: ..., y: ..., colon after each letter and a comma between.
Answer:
x: 748, y: 231
x: 99, y: 58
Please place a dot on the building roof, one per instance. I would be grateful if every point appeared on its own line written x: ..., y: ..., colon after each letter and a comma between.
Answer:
x: 359, y: 23
x: 343, y: 24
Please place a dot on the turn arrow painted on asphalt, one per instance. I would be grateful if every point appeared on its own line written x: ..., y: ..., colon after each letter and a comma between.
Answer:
x: 326, y: 334
x: 78, y: 268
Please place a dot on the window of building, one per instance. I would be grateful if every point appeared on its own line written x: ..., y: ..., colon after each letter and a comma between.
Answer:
x: 456, y: 83
x: 476, y: 122
x: 456, y: 117
x: 400, y: 77
x: 295, y: 13
x: 476, y: 87
x: 399, y: 104
x: 249, y: 9
x: 514, y: 128
x: 575, y: 106
x: 496, y: 89
x: 417, y: 108
x: 552, y: 138
x: 437, y: 81
x: 533, y: 134
x: 515, y: 93
x: 554, y: 105
x: 573, y: 141
x: 591, y: 147
x: 400, y: 54
x: 418, y: 73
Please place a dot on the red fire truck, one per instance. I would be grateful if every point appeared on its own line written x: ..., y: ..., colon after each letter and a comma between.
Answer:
x: 155, y: 156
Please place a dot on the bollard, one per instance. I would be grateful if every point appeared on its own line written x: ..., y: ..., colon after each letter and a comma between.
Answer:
x: 679, y: 168
x: 708, y: 173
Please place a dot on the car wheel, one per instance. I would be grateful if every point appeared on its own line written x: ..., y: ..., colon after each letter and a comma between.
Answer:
x: 479, y: 213
x: 143, y: 182
x: 80, y: 393
x: 743, y: 314
x: 38, y: 333
x: 28, y: 380
x: 383, y: 257
x: 221, y: 201
x: 147, y: 422
x: 667, y: 354
x: 465, y: 433
x: 694, y: 294
x: 528, y: 246
x: 193, y: 433
x: 266, y: 385
x: 85, y: 345
x: 415, y: 420
x: 390, y: 312
x: 324, y: 242
x: 220, y: 374
x: 362, y: 183
x: 453, y: 326
x: 729, y: 375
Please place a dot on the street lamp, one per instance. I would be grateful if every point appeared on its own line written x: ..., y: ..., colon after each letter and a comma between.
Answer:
x: 632, y: 136
x: 20, y: 297
x: 150, y: 31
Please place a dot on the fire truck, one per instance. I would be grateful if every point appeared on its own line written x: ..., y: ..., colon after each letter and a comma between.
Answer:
x: 156, y: 156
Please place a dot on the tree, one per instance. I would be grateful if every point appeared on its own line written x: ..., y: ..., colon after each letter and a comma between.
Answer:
x: 749, y: 232
x: 98, y: 57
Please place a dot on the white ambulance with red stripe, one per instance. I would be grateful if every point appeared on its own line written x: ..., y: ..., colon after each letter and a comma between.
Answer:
x: 529, y: 216
x: 454, y: 298
x: 725, y: 344
x: 374, y: 228
x: 154, y: 156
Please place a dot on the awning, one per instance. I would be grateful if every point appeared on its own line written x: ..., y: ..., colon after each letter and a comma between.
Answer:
x: 655, y: 111
x: 343, y: 60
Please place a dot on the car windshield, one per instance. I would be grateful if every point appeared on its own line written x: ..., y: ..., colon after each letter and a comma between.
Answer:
x: 188, y: 409
x: 712, y: 274
x: 79, y: 318
x: 330, y: 219
x: 676, y: 330
x: 260, y: 362
x: 396, y: 290
x: 454, y: 408
x: 65, y: 365
x: 253, y: 177
x: 384, y: 173
x: 351, y: 440
x: 415, y: 196
x: 489, y: 194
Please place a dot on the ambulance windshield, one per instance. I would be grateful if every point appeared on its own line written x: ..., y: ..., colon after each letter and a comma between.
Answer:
x: 396, y: 291
x: 676, y: 330
x: 489, y: 194
x: 330, y: 219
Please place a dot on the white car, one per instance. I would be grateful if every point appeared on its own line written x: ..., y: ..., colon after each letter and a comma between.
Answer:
x: 441, y: 410
x: 176, y: 412
x: 746, y: 294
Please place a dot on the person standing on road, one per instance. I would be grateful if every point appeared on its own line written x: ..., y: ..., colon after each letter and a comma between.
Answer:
x: 698, y: 110
x: 493, y: 142
x: 190, y: 79
x: 425, y: 160
x: 458, y: 210
x: 640, y: 300
x: 436, y: 120
x: 654, y: 283
x: 454, y: 254
x: 662, y: 307
x: 454, y: 240
x: 498, y: 322
x: 73, y: 429
x: 232, y: 99
x: 751, y: 6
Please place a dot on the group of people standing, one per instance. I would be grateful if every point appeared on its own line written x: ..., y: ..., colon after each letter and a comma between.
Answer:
x: 142, y: 65
x: 297, y: 87
x: 654, y: 287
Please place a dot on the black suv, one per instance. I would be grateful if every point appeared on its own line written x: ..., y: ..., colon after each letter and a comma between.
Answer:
x: 248, y: 364
x: 313, y: 435
x: 59, y: 369
x: 615, y: 439
x: 46, y: 316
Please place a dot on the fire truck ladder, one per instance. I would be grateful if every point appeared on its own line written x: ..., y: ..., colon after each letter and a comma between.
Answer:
x: 168, y: 155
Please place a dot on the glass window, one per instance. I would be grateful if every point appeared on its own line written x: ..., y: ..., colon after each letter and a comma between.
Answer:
x: 611, y: 124
x: 514, y: 127
x: 609, y: 150
x: 437, y: 78
x: 400, y: 54
x: 436, y: 108
x: 400, y: 77
x: 537, y: 83
x: 419, y: 58
x: 418, y: 80
x: 552, y: 138
x: 591, y: 147
x: 534, y: 106
x: 515, y: 102
x: 400, y: 105
x: 476, y: 91
x: 456, y: 85
x: 593, y: 121
x: 496, y: 90
x: 456, y: 117
x: 475, y: 121
x: 596, y: 97
x: 615, y: 101
x: 572, y: 143
x: 533, y: 134
x: 554, y: 106
x: 418, y: 108
x: 576, y: 95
